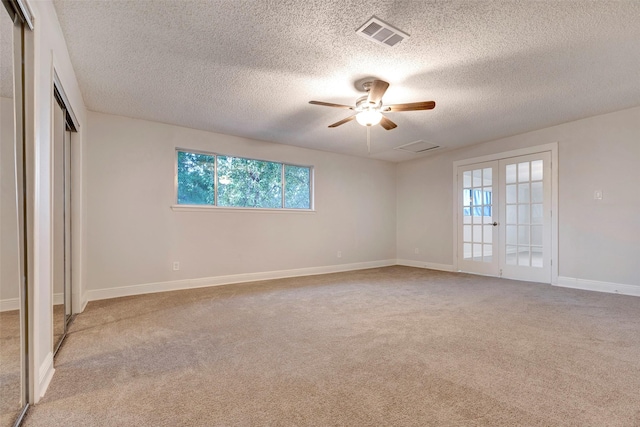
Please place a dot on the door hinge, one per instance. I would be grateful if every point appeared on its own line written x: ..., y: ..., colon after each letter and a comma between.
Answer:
x: 500, y: 273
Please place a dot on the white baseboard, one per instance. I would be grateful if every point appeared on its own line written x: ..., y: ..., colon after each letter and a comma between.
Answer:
x: 45, y: 374
x: 9, y: 304
x: 594, y: 285
x: 422, y: 264
x: 58, y: 299
x: 175, y: 285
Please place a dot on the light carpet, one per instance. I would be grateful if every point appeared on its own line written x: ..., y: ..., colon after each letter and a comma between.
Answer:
x: 393, y: 346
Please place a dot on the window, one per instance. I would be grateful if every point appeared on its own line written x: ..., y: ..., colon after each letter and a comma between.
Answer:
x: 225, y: 181
x: 297, y: 180
x: 196, y: 175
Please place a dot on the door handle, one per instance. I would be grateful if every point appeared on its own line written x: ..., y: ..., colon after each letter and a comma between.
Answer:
x: 495, y: 224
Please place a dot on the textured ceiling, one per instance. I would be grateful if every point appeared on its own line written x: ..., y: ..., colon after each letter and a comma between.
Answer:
x: 249, y: 68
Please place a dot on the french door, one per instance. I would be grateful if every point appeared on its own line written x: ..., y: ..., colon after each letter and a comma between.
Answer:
x: 504, y: 218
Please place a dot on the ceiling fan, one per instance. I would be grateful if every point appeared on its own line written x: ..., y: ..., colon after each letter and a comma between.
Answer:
x: 369, y: 108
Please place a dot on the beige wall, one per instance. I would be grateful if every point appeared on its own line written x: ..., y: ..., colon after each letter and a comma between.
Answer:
x: 133, y: 235
x: 598, y: 240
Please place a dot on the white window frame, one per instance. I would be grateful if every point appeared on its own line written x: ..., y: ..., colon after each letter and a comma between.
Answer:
x: 184, y: 207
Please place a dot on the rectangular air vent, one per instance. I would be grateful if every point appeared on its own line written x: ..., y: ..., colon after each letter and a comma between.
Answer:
x: 417, y: 147
x: 382, y: 33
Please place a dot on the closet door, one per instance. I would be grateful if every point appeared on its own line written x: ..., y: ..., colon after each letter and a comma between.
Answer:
x: 14, y: 297
x: 61, y: 224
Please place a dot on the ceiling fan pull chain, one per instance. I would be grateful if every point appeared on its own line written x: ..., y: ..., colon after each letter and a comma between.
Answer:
x: 369, y: 140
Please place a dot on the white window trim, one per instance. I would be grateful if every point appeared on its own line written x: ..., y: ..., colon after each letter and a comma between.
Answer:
x: 195, y: 208
x: 227, y: 209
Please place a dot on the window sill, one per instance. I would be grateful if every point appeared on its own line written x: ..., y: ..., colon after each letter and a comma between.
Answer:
x: 197, y: 208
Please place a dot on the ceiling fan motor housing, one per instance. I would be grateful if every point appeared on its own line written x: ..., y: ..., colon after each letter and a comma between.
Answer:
x: 363, y: 104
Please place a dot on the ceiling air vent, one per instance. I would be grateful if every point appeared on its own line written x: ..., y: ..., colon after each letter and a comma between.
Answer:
x: 382, y: 33
x: 417, y: 147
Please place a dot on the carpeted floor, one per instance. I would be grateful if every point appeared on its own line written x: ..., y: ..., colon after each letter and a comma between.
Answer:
x: 394, y: 346
x: 10, y: 403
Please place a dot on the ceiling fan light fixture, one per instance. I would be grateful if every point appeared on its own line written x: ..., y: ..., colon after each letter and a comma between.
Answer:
x: 369, y: 117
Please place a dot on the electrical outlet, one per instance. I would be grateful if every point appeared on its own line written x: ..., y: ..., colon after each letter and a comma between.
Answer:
x: 416, y: 251
x: 339, y: 254
x: 597, y: 195
x: 176, y: 265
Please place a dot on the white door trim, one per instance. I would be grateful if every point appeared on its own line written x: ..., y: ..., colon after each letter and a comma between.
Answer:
x: 551, y: 147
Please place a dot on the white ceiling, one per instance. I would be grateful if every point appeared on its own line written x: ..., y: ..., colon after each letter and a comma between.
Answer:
x: 249, y: 68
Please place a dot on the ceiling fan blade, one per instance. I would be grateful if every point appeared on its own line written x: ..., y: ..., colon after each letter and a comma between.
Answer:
x: 387, y: 124
x: 343, y: 121
x: 329, y: 104
x: 412, y: 106
x: 378, y: 88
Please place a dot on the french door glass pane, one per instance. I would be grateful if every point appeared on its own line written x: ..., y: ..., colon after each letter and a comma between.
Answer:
x: 524, y: 197
x: 523, y: 172
x: 488, y: 234
x: 536, y: 257
x: 523, y: 193
x: 536, y: 235
x: 477, y: 205
x: 487, y: 177
x: 511, y: 175
x: 523, y: 256
x: 467, y: 250
x: 467, y: 179
x: 477, y: 233
x: 512, y: 193
x: 523, y: 214
x: 536, y: 214
x: 523, y: 234
x: 512, y: 214
x: 477, y: 250
x: 536, y: 192
x: 486, y: 251
x: 536, y: 170
x: 477, y: 178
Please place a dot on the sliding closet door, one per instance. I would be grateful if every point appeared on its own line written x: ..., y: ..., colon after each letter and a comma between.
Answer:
x: 10, y: 300
x: 14, y: 346
x: 59, y: 267
x: 62, y: 173
x: 68, y: 314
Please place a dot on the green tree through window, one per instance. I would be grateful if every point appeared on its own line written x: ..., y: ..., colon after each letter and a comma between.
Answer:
x: 296, y: 190
x: 249, y: 183
x: 195, y: 179
x: 241, y: 182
